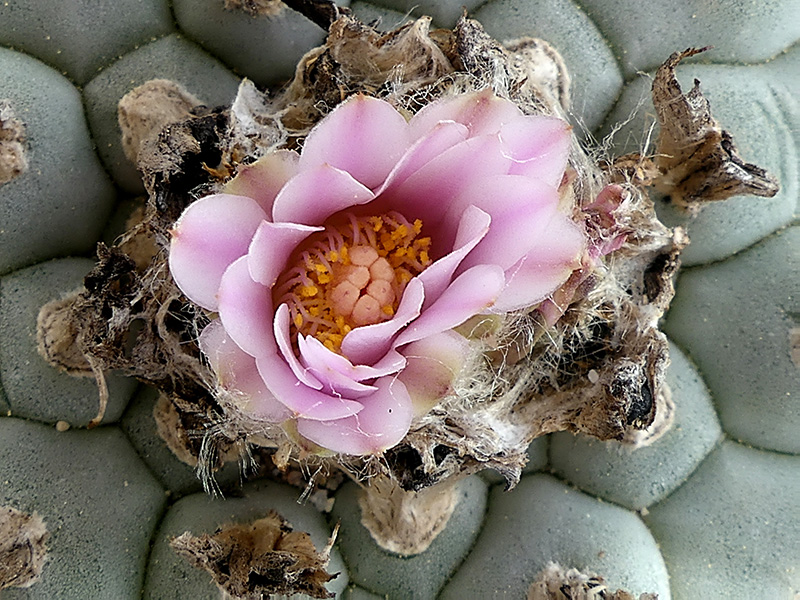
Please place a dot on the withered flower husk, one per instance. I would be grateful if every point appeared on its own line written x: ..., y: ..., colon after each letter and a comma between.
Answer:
x: 254, y: 560
x: 695, y: 159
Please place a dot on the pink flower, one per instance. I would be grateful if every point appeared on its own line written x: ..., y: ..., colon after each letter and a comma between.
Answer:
x: 339, y: 274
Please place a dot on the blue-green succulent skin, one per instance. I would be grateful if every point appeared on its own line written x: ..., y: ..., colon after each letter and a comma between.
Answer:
x: 707, y: 511
x: 59, y: 205
x: 170, y: 576
x: 419, y: 576
x: 33, y: 388
x: 638, y: 477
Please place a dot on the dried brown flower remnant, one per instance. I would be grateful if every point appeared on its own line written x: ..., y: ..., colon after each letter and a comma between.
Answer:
x: 13, y: 153
x: 22, y: 547
x: 556, y: 583
x: 254, y: 560
x: 696, y: 159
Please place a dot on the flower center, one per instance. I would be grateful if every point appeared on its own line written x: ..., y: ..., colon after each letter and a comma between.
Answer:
x: 351, y: 274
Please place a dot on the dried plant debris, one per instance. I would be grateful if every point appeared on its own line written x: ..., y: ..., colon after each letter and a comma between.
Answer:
x: 22, y: 547
x: 696, y: 161
x: 406, y: 522
x: 57, y: 333
x: 590, y: 360
x: 556, y: 583
x: 146, y: 110
x: 13, y: 146
x: 254, y: 560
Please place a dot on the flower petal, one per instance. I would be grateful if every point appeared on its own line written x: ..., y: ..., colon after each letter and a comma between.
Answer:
x: 239, y: 376
x: 305, y: 402
x: 433, y: 363
x: 539, y: 146
x: 472, y: 292
x: 429, y: 192
x: 210, y: 234
x: 319, y: 358
x: 263, y: 179
x: 473, y: 227
x: 335, y: 380
x: 281, y: 330
x: 271, y: 247
x: 546, y: 266
x: 363, y: 136
x: 443, y: 136
x: 314, y: 195
x: 522, y: 211
x: 368, y: 344
x: 382, y: 423
x: 482, y: 112
x: 391, y: 363
x: 245, y: 308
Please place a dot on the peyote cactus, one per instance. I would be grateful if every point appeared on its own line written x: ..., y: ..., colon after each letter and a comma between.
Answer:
x: 706, y: 510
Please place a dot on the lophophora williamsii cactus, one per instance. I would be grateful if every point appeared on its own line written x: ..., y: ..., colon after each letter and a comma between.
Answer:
x: 404, y: 266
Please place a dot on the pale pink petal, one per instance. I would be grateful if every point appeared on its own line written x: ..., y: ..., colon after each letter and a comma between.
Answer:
x: 314, y: 195
x: 238, y: 375
x: 210, y: 234
x: 433, y: 363
x: 337, y: 384
x: 546, y: 266
x: 522, y: 211
x: 539, y: 146
x: 382, y: 424
x: 245, y: 308
x: 263, y: 179
x: 472, y: 292
x: 303, y: 401
x: 431, y: 190
x: 473, y: 227
x: 443, y: 136
x: 482, y: 112
x: 319, y: 358
x: 391, y: 362
x: 333, y: 376
x: 271, y: 247
x: 363, y: 136
x: 282, y: 336
x: 368, y: 344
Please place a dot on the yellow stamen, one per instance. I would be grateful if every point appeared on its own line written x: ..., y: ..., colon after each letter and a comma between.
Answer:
x: 329, y: 294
